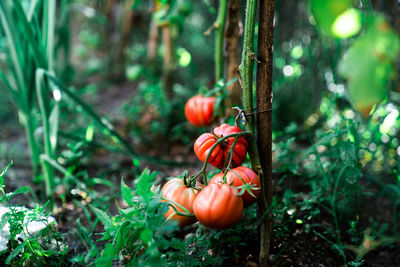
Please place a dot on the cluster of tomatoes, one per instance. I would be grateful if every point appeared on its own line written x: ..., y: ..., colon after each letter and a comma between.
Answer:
x: 219, y: 203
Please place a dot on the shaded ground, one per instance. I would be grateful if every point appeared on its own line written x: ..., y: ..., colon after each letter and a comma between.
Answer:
x: 297, y: 249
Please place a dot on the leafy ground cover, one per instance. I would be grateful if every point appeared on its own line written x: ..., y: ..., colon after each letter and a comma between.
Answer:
x: 95, y: 123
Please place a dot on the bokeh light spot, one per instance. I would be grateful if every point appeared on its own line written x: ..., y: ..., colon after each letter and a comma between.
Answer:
x: 347, y: 24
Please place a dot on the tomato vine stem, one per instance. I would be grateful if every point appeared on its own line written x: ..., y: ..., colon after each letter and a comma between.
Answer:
x: 174, y: 205
x: 219, y: 40
x: 203, y: 170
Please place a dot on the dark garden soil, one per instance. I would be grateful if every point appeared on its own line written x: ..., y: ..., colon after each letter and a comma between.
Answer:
x: 299, y: 248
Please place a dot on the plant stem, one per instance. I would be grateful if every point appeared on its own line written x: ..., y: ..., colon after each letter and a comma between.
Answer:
x: 246, y: 73
x: 204, y: 168
x: 228, y: 163
x: 219, y: 40
x: 264, y: 121
x: 48, y: 170
x: 50, y: 13
x: 29, y: 129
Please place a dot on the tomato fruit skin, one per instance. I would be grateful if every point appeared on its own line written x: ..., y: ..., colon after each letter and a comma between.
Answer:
x: 199, y: 110
x: 217, y: 158
x: 218, y: 206
x: 235, y: 177
x: 178, y: 192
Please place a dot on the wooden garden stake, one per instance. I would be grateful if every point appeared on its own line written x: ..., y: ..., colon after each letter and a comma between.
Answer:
x: 264, y: 119
x: 169, y: 58
x: 232, y: 50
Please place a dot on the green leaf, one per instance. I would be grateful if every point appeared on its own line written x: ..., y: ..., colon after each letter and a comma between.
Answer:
x: 126, y: 193
x: 325, y: 12
x: 103, y: 217
x: 4, y: 219
x: 4, y: 172
x: 107, y: 256
x: 15, y: 252
x: 144, y: 183
x: 146, y: 235
x: 368, y: 65
x: 22, y: 190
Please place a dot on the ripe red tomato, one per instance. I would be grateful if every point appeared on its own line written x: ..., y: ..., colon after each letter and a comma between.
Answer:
x: 178, y: 192
x: 199, y: 110
x: 218, y: 156
x: 218, y: 206
x: 237, y: 177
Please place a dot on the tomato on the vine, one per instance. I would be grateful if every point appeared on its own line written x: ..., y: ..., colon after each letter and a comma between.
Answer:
x: 218, y: 206
x: 220, y: 153
x: 176, y: 191
x: 238, y: 177
x: 199, y: 110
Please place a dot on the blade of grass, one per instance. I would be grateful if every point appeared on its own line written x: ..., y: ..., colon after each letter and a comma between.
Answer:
x: 16, y: 96
x: 28, y: 32
x: 13, y: 46
x: 42, y: 96
x: 32, y: 9
x: 49, y: 8
x: 53, y: 124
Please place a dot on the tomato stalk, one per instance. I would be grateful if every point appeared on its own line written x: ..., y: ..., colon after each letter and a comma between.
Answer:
x: 175, y: 204
x: 228, y: 163
x: 228, y: 167
x: 203, y: 170
x: 245, y: 187
x: 246, y: 74
x: 219, y: 40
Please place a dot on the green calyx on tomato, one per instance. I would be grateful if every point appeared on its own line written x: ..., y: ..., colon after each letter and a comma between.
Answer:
x: 241, y: 178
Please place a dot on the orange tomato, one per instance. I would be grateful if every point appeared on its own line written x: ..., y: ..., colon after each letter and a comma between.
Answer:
x: 218, y: 206
x: 176, y: 191
x: 199, y: 110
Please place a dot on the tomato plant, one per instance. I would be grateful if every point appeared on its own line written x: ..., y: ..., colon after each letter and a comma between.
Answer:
x: 175, y: 191
x: 199, y: 110
x: 219, y: 155
x: 242, y: 177
x: 218, y: 206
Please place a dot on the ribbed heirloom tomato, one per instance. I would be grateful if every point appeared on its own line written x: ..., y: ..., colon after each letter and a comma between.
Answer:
x: 218, y: 206
x: 237, y: 177
x: 217, y: 158
x: 199, y: 110
x: 176, y: 191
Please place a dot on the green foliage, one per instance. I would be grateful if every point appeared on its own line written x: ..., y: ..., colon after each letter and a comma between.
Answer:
x: 137, y: 234
x: 325, y: 12
x: 172, y: 12
x: 46, y: 247
x: 336, y: 176
x: 368, y: 65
